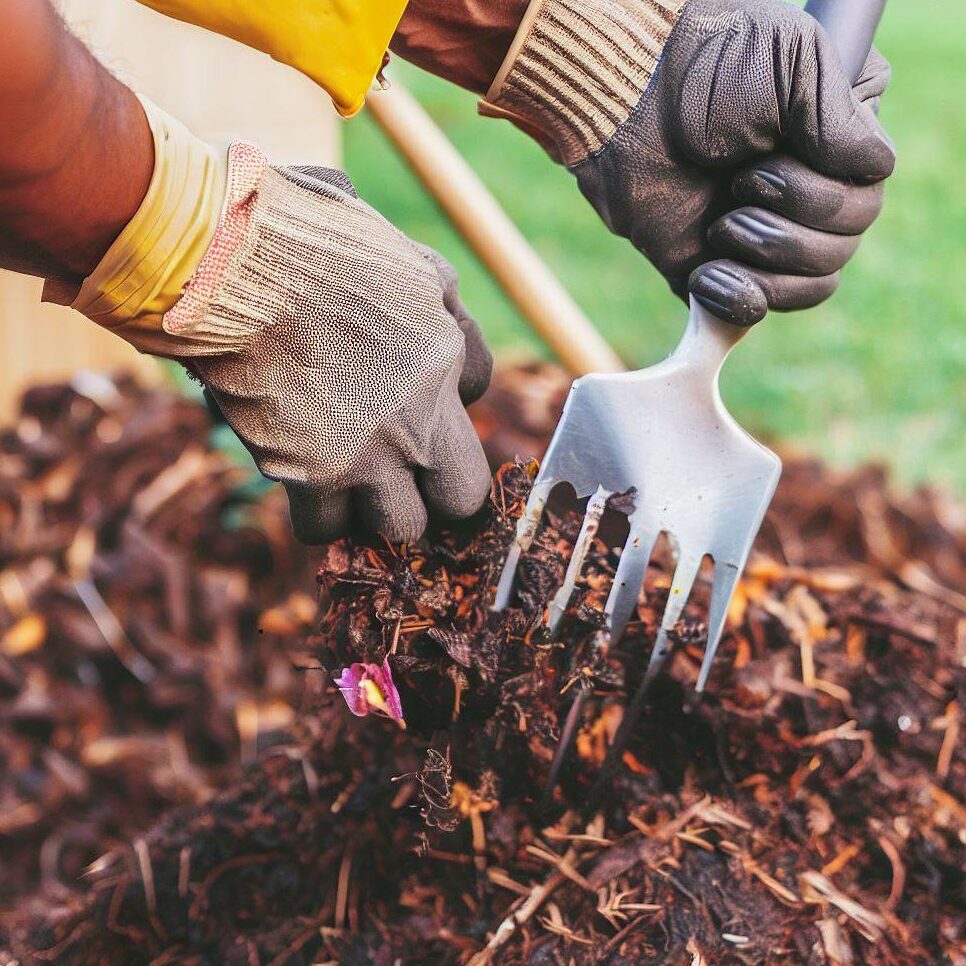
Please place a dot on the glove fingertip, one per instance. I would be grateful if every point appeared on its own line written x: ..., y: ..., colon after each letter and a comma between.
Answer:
x: 860, y: 150
x: 728, y: 293
x: 393, y: 508
x: 476, y: 374
x: 881, y: 154
x: 406, y: 528
x: 317, y: 518
x: 458, y: 482
x: 473, y: 495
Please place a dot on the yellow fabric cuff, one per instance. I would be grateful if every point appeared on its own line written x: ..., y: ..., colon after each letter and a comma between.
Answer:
x: 340, y: 44
x: 143, y: 273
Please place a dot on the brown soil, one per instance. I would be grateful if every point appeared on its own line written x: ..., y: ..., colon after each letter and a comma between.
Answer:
x: 808, y: 809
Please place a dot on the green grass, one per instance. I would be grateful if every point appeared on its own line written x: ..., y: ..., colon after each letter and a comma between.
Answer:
x: 879, y: 372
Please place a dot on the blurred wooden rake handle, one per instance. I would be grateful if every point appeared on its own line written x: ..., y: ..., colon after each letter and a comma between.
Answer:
x: 487, y: 228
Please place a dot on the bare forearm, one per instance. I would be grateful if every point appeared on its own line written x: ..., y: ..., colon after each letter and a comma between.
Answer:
x: 464, y: 41
x: 76, y: 153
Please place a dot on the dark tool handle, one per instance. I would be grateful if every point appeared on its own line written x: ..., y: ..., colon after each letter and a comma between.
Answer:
x: 852, y: 25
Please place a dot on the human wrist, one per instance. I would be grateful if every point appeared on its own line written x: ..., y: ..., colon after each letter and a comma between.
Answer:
x: 576, y: 69
x: 144, y: 271
x: 463, y: 41
x: 75, y: 151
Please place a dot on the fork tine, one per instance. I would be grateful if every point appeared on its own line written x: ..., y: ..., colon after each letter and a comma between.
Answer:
x: 684, y: 577
x: 722, y: 589
x: 628, y: 580
x: 527, y: 527
x: 567, y: 738
x: 685, y: 574
x: 588, y: 530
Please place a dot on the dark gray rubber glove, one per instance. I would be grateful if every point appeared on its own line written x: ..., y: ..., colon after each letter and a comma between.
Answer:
x: 721, y: 137
x: 339, y: 352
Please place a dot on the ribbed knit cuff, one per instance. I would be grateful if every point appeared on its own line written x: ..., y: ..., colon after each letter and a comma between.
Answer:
x: 577, y: 69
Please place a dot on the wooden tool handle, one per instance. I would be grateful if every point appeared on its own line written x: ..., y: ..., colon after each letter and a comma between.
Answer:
x: 480, y: 219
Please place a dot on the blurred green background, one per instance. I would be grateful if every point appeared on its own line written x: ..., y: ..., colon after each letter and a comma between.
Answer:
x: 879, y: 372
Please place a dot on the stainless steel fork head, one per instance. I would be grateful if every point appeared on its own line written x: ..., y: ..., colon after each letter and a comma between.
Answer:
x: 697, y: 475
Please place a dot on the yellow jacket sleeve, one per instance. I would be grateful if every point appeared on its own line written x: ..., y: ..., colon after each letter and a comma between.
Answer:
x: 340, y: 44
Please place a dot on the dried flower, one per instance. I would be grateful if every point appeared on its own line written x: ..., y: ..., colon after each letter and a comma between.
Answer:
x: 369, y: 689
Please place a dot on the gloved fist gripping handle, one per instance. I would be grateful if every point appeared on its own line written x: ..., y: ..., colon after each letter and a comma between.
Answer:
x: 337, y: 349
x: 722, y: 137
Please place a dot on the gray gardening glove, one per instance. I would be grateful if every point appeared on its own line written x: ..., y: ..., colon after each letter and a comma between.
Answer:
x: 671, y: 112
x: 339, y: 352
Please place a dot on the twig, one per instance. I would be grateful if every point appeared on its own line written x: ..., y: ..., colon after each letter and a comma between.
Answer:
x: 554, y: 923
x: 105, y: 620
x: 504, y: 932
x: 950, y: 721
x: 147, y: 878
x: 499, y: 878
x: 567, y: 738
x: 342, y: 889
x: 917, y: 576
x: 184, y: 870
x: 561, y: 863
x: 753, y: 868
x: 261, y: 858
x: 841, y: 860
x: 898, y: 872
x: 114, y: 911
x: 819, y: 890
x: 74, y: 936
x: 618, y: 938
x: 536, y: 898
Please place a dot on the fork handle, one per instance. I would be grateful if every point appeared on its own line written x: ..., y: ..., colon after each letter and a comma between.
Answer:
x: 851, y: 25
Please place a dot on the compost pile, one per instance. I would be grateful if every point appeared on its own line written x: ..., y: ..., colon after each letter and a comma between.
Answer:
x: 807, y: 809
x: 133, y: 676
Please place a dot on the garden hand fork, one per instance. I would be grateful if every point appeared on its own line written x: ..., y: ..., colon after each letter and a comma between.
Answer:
x: 665, y: 434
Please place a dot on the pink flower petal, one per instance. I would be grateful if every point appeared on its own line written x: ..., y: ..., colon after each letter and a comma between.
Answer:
x: 348, y: 683
x: 388, y: 686
x: 370, y: 689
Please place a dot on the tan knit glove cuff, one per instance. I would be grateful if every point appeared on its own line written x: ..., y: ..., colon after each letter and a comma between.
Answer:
x: 577, y: 69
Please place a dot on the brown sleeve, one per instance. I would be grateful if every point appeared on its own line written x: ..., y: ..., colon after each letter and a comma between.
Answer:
x: 464, y: 41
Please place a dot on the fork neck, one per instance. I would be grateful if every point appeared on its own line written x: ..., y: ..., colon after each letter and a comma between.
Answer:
x: 706, y: 342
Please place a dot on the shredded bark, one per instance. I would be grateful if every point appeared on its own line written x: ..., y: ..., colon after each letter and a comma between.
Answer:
x: 807, y: 809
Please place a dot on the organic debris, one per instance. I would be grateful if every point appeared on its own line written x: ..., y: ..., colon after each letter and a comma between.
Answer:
x: 133, y: 676
x: 808, y: 809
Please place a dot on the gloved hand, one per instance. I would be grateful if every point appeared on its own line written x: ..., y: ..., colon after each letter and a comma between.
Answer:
x: 669, y: 112
x: 338, y: 349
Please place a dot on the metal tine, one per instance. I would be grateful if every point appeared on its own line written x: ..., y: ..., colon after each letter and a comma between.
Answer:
x: 567, y: 738
x: 624, y: 593
x: 685, y: 574
x: 628, y: 580
x: 588, y: 530
x: 527, y: 527
x: 726, y: 577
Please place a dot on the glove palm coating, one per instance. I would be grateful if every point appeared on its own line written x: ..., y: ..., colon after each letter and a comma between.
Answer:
x: 339, y: 352
x: 748, y: 103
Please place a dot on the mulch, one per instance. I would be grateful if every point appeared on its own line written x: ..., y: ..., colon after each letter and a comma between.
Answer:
x: 182, y: 782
